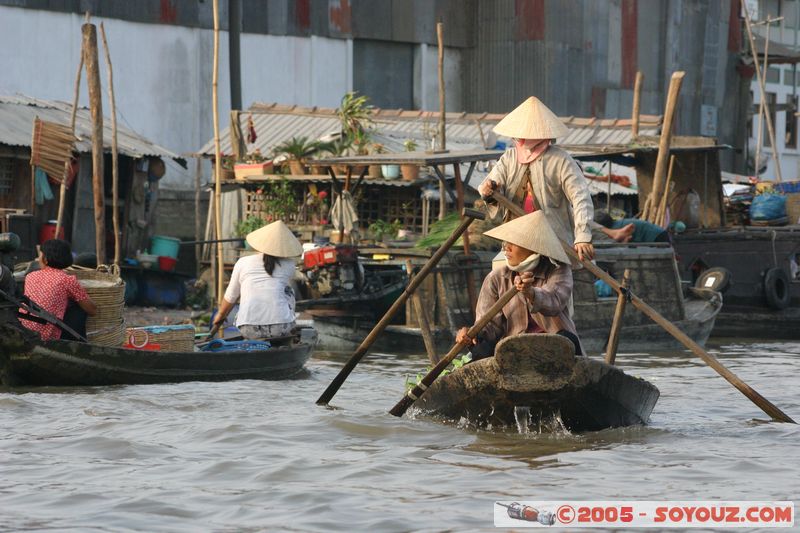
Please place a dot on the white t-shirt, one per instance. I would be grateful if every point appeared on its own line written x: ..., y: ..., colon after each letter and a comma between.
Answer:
x: 264, y: 298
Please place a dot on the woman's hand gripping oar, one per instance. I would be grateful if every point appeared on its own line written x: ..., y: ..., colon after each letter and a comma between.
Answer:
x: 764, y: 404
x: 414, y: 394
x: 469, y: 215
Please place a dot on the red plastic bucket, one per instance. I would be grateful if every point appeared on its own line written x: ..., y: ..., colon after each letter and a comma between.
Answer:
x: 167, y: 264
x: 48, y: 231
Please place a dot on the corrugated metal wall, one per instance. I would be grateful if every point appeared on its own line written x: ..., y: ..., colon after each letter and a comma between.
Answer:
x: 580, y: 57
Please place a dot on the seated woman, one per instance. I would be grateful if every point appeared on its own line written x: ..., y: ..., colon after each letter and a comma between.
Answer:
x: 53, y: 290
x: 260, y: 283
x: 539, y: 268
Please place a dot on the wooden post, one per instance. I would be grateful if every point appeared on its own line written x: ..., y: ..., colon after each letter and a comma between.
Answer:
x: 473, y: 299
x: 422, y: 319
x: 664, y: 144
x: 662, y: 207
x: 218, y: 160
x: 96, y: 107
x: 616, y: 324
x: 114, y: 151
x: 198, y: 224
x: 762, y: 102
x: 637, y: 98
x: 237, y: 141
x: 62, y: 197
x: 763, y: 90
x: 440, y: 39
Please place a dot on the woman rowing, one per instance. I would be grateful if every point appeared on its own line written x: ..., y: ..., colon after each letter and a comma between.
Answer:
x: 538, y: 267
x: 260, y: 283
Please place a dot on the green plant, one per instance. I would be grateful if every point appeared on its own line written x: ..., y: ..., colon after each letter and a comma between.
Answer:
x: 279, y: 200
x: 381, y: 228
x: 360, y: 141
x: 255, y: 157
x: 338, y: 147
x: 457, y: 363
x: 297, y: 148
x: 249, y: 224
x: 378, y: 148
x: 227, y: 162
x: 354, y: 113
x: 410, y: 145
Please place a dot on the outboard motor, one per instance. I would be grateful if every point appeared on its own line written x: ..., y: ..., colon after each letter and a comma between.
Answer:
x: 9, y: 242
x: 8, y: 310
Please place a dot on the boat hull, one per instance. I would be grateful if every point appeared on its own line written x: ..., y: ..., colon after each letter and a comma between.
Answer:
x: 65, y: 363
x: 541, y: 374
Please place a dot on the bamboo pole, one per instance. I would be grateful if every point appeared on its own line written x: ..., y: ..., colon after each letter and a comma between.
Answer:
x: 473, y: 299
x: 664, y: 144
x: 62, y: 197
x: 616, y: 323
x: 762, y: 102
x: 198, y: 223
x: 440, y: 39
x: 114, y: 151
x: 662, y: 205
x: 218, y: 162
x: 96, y: 107
x: 762, y: 89
x: 637, y: 98
x: 422, y: 319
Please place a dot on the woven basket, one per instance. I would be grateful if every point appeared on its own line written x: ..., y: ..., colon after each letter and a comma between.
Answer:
x: 178, y: 338
x: 109, y: 334
x: 107, y: 290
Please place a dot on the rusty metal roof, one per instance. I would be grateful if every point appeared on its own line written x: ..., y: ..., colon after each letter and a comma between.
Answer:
x: 276, y: 123
x: 16, y: 125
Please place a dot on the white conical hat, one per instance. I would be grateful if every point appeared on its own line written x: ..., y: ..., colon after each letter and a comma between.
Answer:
x: 532, y: 232
x: 531, y: 120
x: 275, y: 239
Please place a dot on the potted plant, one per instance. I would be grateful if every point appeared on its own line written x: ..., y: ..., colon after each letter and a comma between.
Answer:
x: 226, y: 167
x: 297, y: 150
x: 382, y: 230
x: 354, y: 113
x: 255, y: 164
x: 338, y: 148
x: 410, y: 171
x: 361, y: 142
x: 375, y: 170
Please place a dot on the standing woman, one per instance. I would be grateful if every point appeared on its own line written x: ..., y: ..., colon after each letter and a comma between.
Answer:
x: 260, y: 282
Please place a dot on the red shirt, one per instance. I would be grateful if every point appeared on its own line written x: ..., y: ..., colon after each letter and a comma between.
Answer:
x: 52, y: 289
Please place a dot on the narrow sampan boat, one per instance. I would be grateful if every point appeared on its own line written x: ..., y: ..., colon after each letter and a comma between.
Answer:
x: 540, y: 372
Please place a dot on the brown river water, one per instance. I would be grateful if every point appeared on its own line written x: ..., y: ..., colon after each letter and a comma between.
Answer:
x: 261, y: 456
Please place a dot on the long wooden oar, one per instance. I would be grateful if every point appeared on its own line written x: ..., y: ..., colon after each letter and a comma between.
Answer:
x: 468, y: 216
x: 414, y: 394
x: 764, y: 404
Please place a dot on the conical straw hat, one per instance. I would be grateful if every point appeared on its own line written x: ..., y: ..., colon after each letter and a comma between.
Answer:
x: 531, y: 120
x: 275, y: 239
x: 532, y: 232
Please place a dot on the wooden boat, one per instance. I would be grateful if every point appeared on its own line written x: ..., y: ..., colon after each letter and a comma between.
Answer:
x: 540, y: 375
x: 762, y: 298
x: 27, y: 361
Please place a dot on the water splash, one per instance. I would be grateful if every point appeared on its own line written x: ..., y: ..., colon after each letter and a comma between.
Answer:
x: 522, y: 415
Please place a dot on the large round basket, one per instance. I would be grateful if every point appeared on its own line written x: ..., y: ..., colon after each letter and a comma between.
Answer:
x: 107, y: 290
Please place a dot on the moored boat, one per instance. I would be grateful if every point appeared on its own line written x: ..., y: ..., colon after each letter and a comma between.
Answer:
x: 539, y: 375
x: 27, y: 361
